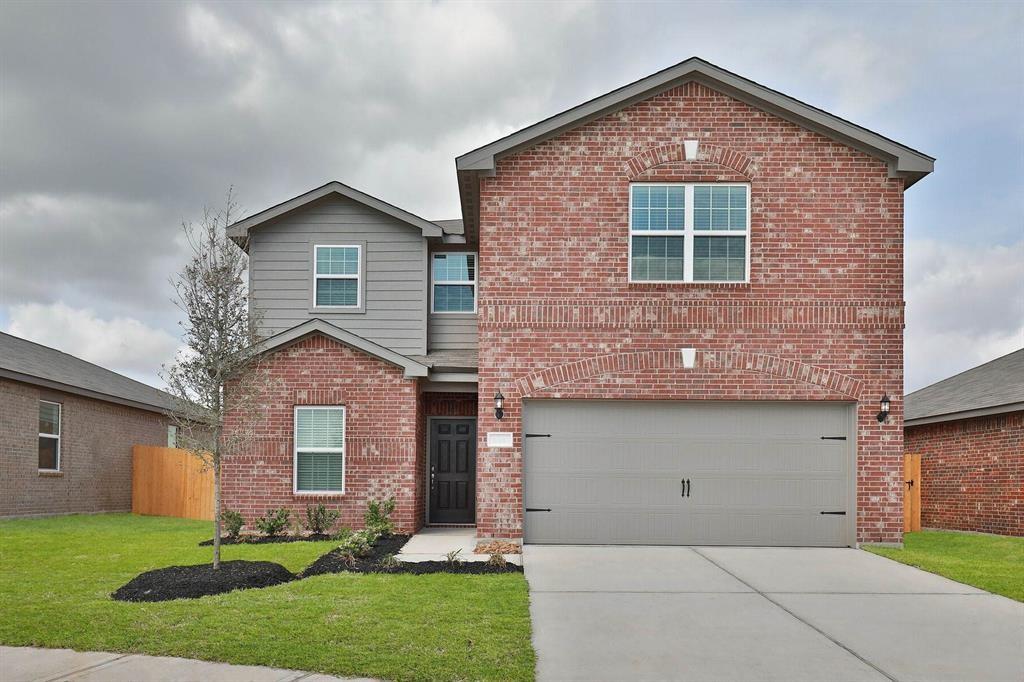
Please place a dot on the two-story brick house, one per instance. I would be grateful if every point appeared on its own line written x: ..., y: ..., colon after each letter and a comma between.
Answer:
x: 688, y: 293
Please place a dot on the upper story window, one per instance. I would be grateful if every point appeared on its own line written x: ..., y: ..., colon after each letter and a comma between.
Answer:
x: 688, y: 232
x: 319, y: 465
x: 49, y: 436
x: 454, y: 283
x: 336, y: 276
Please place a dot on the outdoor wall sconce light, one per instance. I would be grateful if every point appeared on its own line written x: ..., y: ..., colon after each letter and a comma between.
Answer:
x: 499, y: 406
x: 883, y: 411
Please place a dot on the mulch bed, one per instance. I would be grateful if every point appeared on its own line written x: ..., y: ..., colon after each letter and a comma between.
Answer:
x: 264, y: 540
x: 335, y: 562
x: 465, y: 568
x: 189, y: 582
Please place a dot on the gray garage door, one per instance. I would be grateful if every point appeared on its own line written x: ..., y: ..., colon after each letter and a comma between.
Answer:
x: 689, y: 473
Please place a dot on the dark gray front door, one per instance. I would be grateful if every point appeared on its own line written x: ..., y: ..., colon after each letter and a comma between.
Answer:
x: 452, y: 470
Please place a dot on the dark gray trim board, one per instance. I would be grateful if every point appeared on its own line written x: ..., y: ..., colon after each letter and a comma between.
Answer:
x: 84, y: 392
x: 240, y: 230
x: 318, y: 326
x: 966, y: 414
x: 904, y: 161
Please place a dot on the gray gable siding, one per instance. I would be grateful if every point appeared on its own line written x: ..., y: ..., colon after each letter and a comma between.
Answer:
x: 453, y: 332
x: 394, y: 283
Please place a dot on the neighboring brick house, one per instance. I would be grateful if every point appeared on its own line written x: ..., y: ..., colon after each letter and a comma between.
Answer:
x: 969, y: 431
x: 67, y: 428
x: 687, y: 293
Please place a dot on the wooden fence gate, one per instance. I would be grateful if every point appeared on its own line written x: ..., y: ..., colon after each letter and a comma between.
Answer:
x: 911, y: 493
x: 170, y: 482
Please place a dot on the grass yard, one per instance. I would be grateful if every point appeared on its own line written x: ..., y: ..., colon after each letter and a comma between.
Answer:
x: 56, y: 576
x: 988, y: 562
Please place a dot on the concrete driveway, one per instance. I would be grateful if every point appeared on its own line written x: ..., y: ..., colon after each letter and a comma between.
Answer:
x: 752, y: 614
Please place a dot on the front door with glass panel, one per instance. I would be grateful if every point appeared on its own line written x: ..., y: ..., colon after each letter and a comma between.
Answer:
x: 452, y: 471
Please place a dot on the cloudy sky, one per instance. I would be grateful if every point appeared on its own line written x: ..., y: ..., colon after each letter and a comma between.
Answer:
x: 118, y: 121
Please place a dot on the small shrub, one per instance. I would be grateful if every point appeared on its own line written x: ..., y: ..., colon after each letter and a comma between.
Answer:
x: 452, y: 558
x: 232, y: 522
x: 358, y: 544
x: 497, y: 560
x: 319, y: 519
x: 342, y: 534
x: 348, y: 558
x: 273, y: 522
x: 388, y: 562
x: 378, y: 516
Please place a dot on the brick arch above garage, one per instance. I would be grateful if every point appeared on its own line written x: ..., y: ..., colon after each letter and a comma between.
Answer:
x: 597, y: 374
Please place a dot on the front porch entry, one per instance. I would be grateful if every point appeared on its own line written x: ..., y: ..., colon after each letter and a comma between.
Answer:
x: 452, y: 470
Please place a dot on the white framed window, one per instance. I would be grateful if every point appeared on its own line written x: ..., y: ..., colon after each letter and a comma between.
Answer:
x: 453, y: 283
x: 689, y: 232
x: 172, y: 436
x: 319, y: 450
x: 49, y: 435
x: 336, y: 276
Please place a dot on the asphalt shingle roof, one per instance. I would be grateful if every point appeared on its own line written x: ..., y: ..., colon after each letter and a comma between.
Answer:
x: 994, y: 384
x: 25, y: 360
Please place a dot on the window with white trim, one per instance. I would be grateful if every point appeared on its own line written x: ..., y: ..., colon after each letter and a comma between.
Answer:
x: 49, y: 436
x: 336, y: 276
x: 319, y: 439
x: 454, y: 283
x: 689, y: 232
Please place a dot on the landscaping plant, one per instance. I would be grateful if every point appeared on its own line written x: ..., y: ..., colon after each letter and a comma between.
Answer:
x: 497, y: 560
x: 378, y: 516
x: 320, y: 519
x: 452, y: 558
x: 232, y: 522
x: 217, y: 374
x: 273, y: 522
x: 388, y: 562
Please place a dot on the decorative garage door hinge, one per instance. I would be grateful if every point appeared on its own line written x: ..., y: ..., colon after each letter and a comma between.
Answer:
x: 833, y: 437
x: 529, y: 509
x: 841, y: 513
x: 537, y: 435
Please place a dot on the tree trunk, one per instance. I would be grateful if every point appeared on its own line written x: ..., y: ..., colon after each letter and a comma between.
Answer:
x: 216, y: 514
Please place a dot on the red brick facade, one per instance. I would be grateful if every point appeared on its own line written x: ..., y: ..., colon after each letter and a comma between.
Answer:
x: 972, y: 473
x: 383, y: 435
x: 95, y: 452
x: 821, y: 319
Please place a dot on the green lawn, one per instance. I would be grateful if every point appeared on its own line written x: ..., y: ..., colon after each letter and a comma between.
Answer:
x: 989, y: 562
x: 56, y: 576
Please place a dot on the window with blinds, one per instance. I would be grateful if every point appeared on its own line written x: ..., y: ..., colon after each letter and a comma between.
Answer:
x: 319, y: 449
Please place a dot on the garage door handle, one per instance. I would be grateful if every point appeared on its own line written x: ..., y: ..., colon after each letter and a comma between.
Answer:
x: 684, y: 487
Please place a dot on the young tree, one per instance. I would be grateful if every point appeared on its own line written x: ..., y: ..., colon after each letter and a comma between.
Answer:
x: 217, y: 379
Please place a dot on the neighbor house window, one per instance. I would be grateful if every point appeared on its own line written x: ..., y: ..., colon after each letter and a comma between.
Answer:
x: 336, y: 276
x: 319, y: 449
x: 689, y: 232
x: 454, y: 283
x: 49, y: 436
x: 172, y: 436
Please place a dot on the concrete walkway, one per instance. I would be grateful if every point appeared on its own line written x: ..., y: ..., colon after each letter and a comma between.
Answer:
x: 432, y: 544
x: 26, y: 664
x: 755, y: 614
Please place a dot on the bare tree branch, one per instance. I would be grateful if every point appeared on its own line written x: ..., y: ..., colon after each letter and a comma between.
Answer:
x: 218, y: 381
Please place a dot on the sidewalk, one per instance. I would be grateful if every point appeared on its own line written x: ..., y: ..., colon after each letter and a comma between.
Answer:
x: 27, y: 664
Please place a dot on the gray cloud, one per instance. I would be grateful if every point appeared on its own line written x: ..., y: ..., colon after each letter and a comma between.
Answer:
x: 118, y: 120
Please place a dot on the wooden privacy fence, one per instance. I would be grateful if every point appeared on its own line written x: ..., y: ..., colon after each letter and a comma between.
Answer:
x: 170, y: 482
x: 911, y: 493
